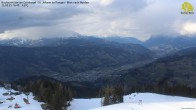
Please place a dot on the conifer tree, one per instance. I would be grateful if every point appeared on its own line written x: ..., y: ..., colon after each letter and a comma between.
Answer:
x: 106, y: 100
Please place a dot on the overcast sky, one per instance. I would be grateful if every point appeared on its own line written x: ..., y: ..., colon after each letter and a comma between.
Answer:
x: 130, y: 18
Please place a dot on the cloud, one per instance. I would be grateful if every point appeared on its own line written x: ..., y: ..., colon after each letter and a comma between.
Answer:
x: 38, y: 32
x: 35, y: 16
x: 130, y: 18
x: 106, y: 2
x: 188, y: 28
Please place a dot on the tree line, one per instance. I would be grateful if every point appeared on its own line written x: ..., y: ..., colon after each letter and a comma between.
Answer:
x: 112, y: 95
x: 166, y: 88
x: 55, y: 94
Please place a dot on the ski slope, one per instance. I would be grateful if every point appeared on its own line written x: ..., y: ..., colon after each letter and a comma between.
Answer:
x: 150, y: 101
x: 34, y: 105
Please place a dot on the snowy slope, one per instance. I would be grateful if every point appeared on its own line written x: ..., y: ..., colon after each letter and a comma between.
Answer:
x: 85, y: 104
x: 150, y: 101
x: 34, y: 105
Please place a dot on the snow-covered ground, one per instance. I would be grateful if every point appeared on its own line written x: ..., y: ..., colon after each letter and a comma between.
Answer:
x: 150, y: 101
x: 34, y: 105
x: 85, y: 104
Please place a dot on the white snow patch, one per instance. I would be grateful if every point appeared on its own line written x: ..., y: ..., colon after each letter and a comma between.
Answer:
x: 85, y: 104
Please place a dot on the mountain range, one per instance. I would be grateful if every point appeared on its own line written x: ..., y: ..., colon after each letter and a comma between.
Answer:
x: 177, y: 69
x: 165, y: 45
x: 161, y: 45
x: 101, y: 60
x: 73, y: 59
